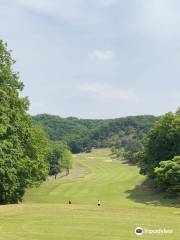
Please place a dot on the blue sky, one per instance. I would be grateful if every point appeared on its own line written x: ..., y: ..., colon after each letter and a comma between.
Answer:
x: 96, y: 58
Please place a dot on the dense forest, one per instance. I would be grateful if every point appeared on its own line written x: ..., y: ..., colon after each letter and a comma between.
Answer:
x: 83, y: 134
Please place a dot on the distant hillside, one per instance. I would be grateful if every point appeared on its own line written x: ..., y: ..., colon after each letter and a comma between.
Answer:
x: 82, y: 134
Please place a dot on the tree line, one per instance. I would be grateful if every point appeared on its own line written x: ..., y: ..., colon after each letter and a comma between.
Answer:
x: 83, y: 134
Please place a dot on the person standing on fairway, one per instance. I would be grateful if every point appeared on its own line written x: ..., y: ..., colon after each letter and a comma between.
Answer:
x: 99, y: 203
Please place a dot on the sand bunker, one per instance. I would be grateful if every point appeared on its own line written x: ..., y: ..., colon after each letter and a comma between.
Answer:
x: 108, y: 160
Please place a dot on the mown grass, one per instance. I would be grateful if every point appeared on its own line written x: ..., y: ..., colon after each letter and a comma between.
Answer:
x: 126, y: 204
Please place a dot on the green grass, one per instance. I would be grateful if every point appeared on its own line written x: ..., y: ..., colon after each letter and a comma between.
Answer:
x: 126, y: 200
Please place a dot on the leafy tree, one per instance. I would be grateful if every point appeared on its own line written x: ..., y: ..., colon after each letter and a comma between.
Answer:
x: 178, y: 111
x: 131, y: 141
x: 53, y: 158
x: 37, y: 149
x: 59, y: 158
x: 119, y: 153
x: 167, y: 176
x: 66, y: 162
x: 162, y: 142
x: 21, y: 159
x: 75, y: 143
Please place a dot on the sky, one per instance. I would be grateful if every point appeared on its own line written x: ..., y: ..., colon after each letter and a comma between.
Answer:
x: 95, y: 58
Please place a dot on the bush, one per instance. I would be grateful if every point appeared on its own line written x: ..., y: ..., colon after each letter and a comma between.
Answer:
x: 167, y: 176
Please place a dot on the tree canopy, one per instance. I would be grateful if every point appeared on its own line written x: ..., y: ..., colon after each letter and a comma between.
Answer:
x: 167, y: 176
x: 83, y: 134
x: 160, y: 159
x: 59, y: 158
x: 22, y: 145
x: 161, y: 143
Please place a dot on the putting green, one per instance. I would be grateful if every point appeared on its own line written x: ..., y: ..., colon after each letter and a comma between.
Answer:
x: 127, y: 203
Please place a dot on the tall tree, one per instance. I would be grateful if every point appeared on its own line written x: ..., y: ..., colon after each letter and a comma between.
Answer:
x: 59, y: 158
x: 162, y: 142
x: 20, y: 157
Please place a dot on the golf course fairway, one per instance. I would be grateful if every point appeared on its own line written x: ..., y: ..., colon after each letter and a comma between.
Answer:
x: 126, y: 203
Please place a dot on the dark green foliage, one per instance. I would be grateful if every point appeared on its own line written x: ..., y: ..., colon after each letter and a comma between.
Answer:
x: 129, y: 134
x: 68, y: 130
x: 131, y: 142
x: 162, y: 142
x: 59, y: 128
x: 118, y: 153
x: 59, y: 158
x: 83, y: 134
x: 22, y: 145
x: 178, y: 111
x: 167, y: 176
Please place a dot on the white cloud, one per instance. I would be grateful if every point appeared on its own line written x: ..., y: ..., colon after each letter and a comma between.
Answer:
x: 109, y: 92
x: 106, y: 55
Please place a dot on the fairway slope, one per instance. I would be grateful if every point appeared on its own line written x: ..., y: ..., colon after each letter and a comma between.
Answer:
x: 127, y: 203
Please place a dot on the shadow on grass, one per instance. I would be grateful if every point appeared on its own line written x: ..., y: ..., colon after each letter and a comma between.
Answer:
x: 127, y: 162
x: 124, y: 161
x: 146, y: 193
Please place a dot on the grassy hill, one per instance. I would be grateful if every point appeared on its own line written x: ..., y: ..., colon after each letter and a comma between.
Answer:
x: 126, y: 204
